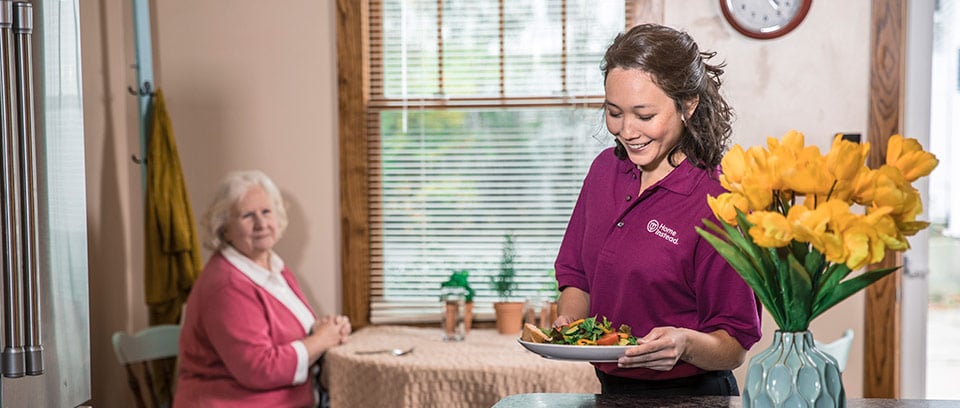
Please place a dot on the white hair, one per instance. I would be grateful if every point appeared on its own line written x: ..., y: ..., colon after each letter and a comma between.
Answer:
x: 232, y: 188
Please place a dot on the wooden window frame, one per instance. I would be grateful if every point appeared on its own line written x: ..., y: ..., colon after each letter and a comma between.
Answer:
x: 881, y: 368
x: 353, y: 77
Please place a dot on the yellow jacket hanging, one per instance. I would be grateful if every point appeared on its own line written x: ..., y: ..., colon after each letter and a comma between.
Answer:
x: 171, y: 247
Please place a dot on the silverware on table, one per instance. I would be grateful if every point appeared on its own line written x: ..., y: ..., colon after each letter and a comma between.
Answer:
x: 396, y: 352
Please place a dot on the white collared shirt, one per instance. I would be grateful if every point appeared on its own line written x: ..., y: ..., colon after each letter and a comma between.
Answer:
x: 273, y: 282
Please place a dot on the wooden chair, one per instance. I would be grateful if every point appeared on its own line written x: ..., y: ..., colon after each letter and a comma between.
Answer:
x: 142, y: 354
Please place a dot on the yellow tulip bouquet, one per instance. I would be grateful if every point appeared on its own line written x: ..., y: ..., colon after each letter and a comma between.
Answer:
x: 795, y: 223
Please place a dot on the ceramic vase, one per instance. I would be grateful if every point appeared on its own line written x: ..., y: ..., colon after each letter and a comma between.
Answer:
x: 793, y: 372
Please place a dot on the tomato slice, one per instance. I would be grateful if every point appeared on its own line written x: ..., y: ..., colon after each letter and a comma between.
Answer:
x: 609, y: 339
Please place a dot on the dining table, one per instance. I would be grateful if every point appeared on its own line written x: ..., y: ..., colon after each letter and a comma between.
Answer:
x: 478, y: 371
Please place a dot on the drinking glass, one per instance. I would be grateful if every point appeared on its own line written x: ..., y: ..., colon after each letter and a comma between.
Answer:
x: 531, y: 311
x: 454, y: 303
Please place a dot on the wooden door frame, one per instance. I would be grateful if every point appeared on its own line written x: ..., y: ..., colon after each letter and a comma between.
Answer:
x: 881, y: 368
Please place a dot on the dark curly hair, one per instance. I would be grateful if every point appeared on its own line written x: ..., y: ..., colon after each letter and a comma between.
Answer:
x: 677, y: 66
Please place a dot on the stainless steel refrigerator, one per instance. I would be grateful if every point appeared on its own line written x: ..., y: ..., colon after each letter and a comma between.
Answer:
x: 46, y: 329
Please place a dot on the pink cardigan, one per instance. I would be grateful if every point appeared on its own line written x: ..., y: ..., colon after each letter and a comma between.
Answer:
x: 235, y: 346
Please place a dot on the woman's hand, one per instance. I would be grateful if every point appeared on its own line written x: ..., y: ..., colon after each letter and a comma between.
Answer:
x: 326, y: 332
x: 572, y: 304
x: 563, y: 320
x: 332, y: 329
x: 663, y: 347
x: 659, y: 350
x: 345, y: 327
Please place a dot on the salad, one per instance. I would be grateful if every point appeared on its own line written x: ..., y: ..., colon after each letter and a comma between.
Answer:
x: 590, y: 331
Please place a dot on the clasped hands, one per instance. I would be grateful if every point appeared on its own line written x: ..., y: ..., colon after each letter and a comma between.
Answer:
x: 332, y: 329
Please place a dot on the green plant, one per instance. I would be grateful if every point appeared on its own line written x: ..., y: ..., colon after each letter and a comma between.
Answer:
x: 503, y: 282
x: 458, y: 279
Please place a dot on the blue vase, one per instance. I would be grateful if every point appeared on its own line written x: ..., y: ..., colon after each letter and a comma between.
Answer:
x: 792, y: 372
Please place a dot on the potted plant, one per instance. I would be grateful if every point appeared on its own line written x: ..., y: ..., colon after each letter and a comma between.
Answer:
x: 509, y: 313
x: 459, y: 279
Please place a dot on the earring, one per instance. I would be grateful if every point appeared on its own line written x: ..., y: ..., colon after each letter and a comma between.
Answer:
x: 683, y: 120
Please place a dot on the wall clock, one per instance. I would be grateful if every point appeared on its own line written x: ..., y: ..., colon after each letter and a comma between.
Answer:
x: 764, y: 19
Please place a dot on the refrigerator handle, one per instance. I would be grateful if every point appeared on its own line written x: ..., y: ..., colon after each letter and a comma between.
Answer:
x: 13, y: 355
x: 23, y: 35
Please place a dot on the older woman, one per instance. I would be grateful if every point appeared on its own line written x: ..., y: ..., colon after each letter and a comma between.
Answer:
x: 249, y: 337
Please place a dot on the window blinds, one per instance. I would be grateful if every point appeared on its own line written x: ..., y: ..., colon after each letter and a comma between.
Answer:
x: 484, y: 118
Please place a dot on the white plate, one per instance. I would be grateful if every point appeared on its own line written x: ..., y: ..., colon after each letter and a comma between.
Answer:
x: 593, y: 354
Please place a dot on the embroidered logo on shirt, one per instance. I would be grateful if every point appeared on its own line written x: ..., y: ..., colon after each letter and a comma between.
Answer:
x: 663, y: 231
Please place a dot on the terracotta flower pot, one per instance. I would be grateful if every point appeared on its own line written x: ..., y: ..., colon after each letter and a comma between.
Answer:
x: 509, y: 317
x: 467, y: 317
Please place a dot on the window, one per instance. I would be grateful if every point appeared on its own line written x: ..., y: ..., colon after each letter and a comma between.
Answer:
x: 481, y: 120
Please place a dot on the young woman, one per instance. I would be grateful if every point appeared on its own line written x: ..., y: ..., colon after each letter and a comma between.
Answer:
x: 630, y: 252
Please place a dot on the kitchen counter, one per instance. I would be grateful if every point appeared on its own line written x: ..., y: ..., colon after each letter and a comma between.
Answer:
x: 594, y: 400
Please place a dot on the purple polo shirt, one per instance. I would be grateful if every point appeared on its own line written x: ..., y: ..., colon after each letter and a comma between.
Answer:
x: 643, y: 263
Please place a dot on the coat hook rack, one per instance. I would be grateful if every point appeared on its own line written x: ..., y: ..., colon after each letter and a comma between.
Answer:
x: 144, y: 67
x: 144, y: 90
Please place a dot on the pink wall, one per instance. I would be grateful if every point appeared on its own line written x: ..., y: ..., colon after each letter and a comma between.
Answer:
x: 248, y: 84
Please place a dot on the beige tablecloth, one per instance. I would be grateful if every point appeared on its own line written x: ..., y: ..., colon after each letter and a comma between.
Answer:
x: 476, y: 372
